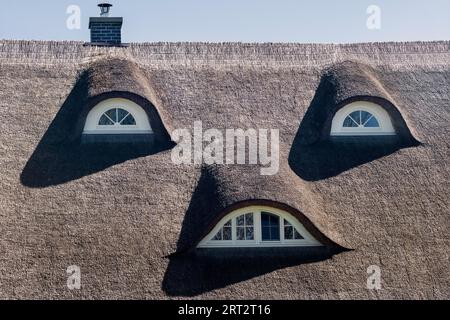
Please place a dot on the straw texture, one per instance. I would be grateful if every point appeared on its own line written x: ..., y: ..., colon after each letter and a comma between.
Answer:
x: 125, y: 216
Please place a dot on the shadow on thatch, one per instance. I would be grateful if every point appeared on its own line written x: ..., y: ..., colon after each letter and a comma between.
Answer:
x: 205, y: 202
x: 315, y: 156
x: 60, y: 156
x: 330, y: 158
x: 191, y: 271
x: 54, y: 165
x: 205, y: 270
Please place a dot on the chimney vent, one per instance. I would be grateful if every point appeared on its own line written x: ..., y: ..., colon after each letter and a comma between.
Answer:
x: 104, y: 9
x: 106, y: 30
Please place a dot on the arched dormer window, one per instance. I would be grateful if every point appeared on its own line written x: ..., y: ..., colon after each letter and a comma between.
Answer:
x: 362, y: 118
x: 117, y: 116
x: 258, y: 226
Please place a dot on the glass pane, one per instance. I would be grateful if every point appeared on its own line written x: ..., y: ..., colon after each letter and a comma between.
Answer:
x: 349, y: 123
x: 121, y: 114
x: 365, y: 116
x: 297, y: 235
x: 104, y: 121
x: 128, y: 121
x: 265, y: 219
x: 226, y: 233
x: 218, y: 236
x: 288, y: 233
x: 270, y: 233
x: 240, y: 220
x: 372, y: 123
x: 112, y: 114
x: 274, y: 220
x: 270, y: 225
x: 275, y: 233
x: 249, y: 219
x: 265, y: 234
x: 240, y: 233
x: 356, y: 115
x: 287, y: 223
x: 249, y: 233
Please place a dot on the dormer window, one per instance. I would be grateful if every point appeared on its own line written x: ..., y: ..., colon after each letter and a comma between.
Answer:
x: 117, y: 120
x: 117, y: 116
x: 362, y: 118
x: 258, y: 226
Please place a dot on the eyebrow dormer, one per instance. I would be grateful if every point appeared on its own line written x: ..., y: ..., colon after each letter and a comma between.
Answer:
x: 121, y: 106
x: 353, y: 119
x: 352, y: 101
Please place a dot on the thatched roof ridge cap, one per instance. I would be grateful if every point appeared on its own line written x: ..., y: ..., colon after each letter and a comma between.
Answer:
x: 172, y: 54
x: 237, y: 47
x: 299, y: 48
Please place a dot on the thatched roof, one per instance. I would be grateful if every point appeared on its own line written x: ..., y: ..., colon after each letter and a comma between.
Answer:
x: 130, y: 218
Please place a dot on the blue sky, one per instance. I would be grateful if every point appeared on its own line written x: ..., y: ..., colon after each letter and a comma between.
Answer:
x: 321, y: 21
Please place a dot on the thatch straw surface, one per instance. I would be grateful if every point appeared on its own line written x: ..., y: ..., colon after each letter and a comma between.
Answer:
x: 122, y: 215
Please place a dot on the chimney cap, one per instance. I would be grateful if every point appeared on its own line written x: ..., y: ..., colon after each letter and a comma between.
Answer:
x: 105, y: 5
x: 104, y: 8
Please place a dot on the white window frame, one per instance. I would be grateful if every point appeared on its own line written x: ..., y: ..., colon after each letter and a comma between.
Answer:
x: 140, y: 116
x: 384, y: 120
x: 307, y: 241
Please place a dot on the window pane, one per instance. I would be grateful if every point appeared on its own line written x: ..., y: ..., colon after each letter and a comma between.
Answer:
x: 226, y: 233
x: 112, y: 114
x: 128, y: 121
x: 265, y: 234
x: 275, y: 233
x: 244, y: 227
x: 249, y: 233
x: 274, y: 220
x: 121, y: 114
x: 356, y: 115
x: 270, y: 226
x: 240, y: 233
x: 288, y: 233
x: 265, y: 219
x: 372, y: 123
x: 240, y: 220
x: 104, y: 121
x: 365, y: 116
x: 349, y: 123
x: 297, y: 235
x: 249, y: 219
x: 218, y: 236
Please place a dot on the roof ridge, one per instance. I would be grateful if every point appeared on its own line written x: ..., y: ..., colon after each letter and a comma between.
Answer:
x: 48, y: 52
x: 227, y: 44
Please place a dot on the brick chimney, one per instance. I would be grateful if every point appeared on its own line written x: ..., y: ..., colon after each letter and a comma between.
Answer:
x: 105, y: 30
